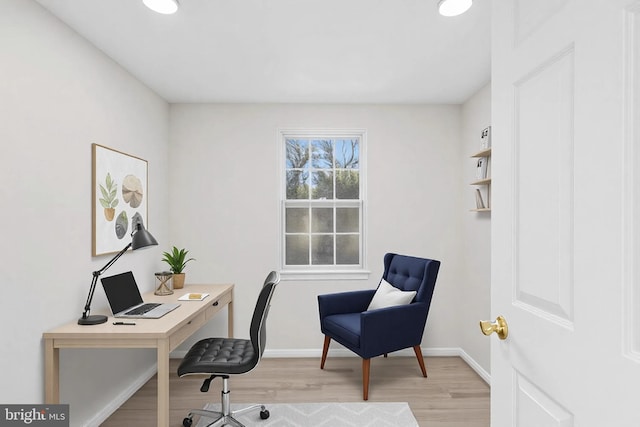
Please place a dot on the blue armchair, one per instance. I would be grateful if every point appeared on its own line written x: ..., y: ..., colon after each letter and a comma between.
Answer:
x: 369, y: 332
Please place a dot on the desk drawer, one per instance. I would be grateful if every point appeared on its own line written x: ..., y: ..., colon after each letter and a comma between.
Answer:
x: 217, y: 304
x: 187, y: 330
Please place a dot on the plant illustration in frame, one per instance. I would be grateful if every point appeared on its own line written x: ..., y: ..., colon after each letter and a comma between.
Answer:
x: 119, y: 198
x: 109, y: 199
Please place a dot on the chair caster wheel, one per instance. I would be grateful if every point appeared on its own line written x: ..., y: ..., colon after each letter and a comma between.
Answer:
x: 187, y: 422
x: 264, y: 414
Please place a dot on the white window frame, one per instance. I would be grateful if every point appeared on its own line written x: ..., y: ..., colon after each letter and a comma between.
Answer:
x: 316, y: 272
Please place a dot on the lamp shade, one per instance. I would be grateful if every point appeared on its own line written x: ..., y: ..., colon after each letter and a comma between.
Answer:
x: 165, y: 7
x: 142, y: 238
x: 453, y: 7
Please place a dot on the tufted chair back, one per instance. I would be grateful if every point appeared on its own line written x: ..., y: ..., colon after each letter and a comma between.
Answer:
x: 408, y: 273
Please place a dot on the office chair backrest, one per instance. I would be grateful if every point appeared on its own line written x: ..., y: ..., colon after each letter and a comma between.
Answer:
x: 258, y: 331
x: 272, y: 277
x: 409, y: 273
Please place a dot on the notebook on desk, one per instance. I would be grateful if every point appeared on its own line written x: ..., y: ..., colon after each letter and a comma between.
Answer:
x: 125, y: 299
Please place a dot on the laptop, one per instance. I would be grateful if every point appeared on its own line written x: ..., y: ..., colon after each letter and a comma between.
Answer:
x: 125, y: 299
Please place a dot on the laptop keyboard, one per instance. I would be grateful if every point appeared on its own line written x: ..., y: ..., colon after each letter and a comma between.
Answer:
x: 143, y: 309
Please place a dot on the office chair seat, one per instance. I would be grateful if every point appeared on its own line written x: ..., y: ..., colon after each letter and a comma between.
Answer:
x: 222, y: 357
x: 219, y: 356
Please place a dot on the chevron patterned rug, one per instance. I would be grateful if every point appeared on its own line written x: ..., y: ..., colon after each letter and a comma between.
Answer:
x: 356, y: 414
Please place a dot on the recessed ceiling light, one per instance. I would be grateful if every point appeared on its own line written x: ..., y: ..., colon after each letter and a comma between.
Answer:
x: 166, y: 7
x: 453, y: 7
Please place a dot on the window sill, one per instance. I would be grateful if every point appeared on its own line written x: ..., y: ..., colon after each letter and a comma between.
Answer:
x: 324, y: 275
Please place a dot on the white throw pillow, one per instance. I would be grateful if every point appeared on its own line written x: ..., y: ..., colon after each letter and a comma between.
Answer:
x: 389, y: 296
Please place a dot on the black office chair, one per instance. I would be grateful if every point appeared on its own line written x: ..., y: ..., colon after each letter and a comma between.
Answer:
x: 222, y: 357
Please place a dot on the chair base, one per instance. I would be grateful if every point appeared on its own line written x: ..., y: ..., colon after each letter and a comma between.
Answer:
x: 225, y: 416
x: 220, y: 419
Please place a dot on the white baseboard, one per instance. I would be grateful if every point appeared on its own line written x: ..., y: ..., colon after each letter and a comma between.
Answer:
x: 343, y: 352
x: 120, y: 399
x: 178, y: 354
x: 475, y: 366
x: 340, y: 352
x: 432, y: 352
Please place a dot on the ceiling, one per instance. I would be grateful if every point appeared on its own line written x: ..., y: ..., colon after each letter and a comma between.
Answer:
x: 300, y: 51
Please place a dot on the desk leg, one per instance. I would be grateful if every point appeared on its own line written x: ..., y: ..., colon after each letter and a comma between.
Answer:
x: 230, y: 316
x: 163, y: 383
x: 51, y: 372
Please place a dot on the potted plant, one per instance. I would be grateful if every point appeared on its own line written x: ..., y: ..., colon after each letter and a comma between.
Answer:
x: 109, y: 201
x: 177, y: 260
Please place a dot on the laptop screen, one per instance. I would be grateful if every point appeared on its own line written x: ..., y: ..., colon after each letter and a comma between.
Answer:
x: 122, y: 291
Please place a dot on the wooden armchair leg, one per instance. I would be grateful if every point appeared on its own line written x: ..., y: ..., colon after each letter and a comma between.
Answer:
x: 366, y: 365
x: 325, y: 350
x: 418, y: 351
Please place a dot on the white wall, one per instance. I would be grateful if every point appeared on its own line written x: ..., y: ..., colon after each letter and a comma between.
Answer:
x: 59, y: 94
x: 475, y: 301
x: 225, y: 205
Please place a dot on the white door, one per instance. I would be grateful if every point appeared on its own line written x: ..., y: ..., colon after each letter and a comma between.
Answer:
x: 565, y: 215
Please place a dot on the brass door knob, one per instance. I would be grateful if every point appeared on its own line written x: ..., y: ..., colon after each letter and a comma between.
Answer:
x: 500, y: 327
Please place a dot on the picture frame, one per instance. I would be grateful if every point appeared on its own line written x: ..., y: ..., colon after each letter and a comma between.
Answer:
x: 485, y: 138
x: 119, y: 193
x: 482, y: 167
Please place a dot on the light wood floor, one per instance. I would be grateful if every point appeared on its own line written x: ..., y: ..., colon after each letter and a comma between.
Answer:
x: 452, y: 396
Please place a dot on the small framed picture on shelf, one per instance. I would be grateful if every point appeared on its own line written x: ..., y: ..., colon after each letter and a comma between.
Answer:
x: 481, y: 168
x: 485, y: 138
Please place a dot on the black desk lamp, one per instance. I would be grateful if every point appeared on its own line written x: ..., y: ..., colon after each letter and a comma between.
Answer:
x: 140, y: 238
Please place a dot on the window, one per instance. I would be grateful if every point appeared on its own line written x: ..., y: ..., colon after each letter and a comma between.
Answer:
x: 323, y: 202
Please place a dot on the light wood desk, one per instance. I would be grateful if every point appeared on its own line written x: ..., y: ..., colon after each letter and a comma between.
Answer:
x: 163, y: 334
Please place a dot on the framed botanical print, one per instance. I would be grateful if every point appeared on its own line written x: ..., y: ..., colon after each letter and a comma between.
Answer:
x: 119, y: 198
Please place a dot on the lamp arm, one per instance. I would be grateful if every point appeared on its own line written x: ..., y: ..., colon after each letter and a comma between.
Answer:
x: 96, y: 274
x: 113, y: 260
